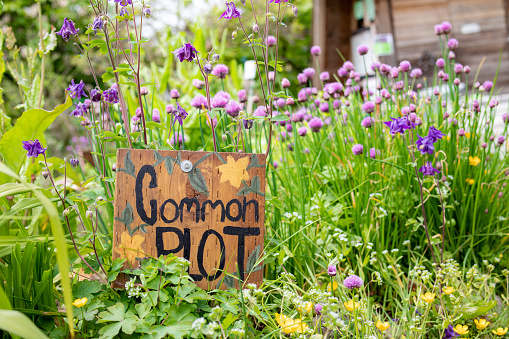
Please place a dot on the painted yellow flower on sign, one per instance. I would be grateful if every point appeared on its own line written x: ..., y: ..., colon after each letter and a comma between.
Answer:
x: 289, y: 325
x: 481, y: 324
x: 234, y: 171
x: 500, y: 331
x: 351, y: 305
x: 448, y: 290
x: 382, y: 326
x: 428, y: 297
x: 474, y: 161
x: 130, y: 247
x: 461, y: 329
x: 80, y: 302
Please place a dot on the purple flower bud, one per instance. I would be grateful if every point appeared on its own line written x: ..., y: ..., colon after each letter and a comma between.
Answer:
x: 484, y: 145
x: 256, y: 98
x: 500, y: 140
x: 144, y: 91
x: 438, y: 29
x: 302, y: 78
x: 466, y: 69
x: 272, y: 76
x: 156, y: 115
x: 363, y: 49
x: 316, y: 50
x: 248, y: 124
x: 285, y: 83
x: 493, y: 103
x: 331, y: 271
x: 451, y: 55
x: 405, y: 66
x: 446, y: 27
x: 97, y: 24
x: 505, y: 118
x: 96, y: 95
x: 207, y: 68
x: 492, y: 138
x: 242, y: 96
x: 461, y: 132
x: 440, y: 63
x: 270, y: 41
x: 275, y: 164
x: 452, y: 44
x: 373, y: 153
x: 114, y: 167
x: 357, y: 149
x: 318, y: 309
x: 488, y: 85
x: 198, y: 84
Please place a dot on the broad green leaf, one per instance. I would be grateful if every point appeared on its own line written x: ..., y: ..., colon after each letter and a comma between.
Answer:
x: 17, y: 323
x: 470, y: 311
x: 31, y: 125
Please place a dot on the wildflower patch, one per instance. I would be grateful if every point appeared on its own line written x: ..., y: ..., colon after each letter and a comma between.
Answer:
x: 206, y: 207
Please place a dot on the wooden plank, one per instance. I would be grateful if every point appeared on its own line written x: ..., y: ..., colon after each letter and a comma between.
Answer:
x: 171, y: 211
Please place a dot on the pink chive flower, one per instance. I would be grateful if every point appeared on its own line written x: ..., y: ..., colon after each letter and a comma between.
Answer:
x: 446, y: 27
x: 324, y: 76
x: 316, y: 50
x: 368, y: 107
x: 367, y: 122
x: 331, y: 271
x: 416, y: 73
x: 405, y: 66
x: 357, y: 149
x: 309, y: 72
x: 353, y: 281
x: 363, y: 49
x: 302, y: 131
x: 452, y: 44
x: 220, y: 71
x: 440, y: 63
x: 315, y: 124
x: 285, y: 83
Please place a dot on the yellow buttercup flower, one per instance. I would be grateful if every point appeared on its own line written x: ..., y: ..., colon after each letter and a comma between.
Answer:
x: 382, y: 326
x: 428, y: 297
x: 448, y: 290
x: 467, y: 134
x: 334, y: 286
x: 80, y: 302
x: 500, y: 331
x: 289, y: 325
x: 461, y: 329
x: 307, y: 308
x: 481, y: 324
x: 474, y: 161
x: 351, y: 305
x: 470, y: 181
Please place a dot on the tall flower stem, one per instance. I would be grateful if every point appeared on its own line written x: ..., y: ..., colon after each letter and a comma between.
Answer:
x: 207, y: 91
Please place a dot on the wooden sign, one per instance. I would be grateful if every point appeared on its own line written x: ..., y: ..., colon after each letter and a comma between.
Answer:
x: 206, y: 207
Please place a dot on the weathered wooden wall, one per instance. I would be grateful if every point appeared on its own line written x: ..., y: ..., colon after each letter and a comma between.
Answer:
x: 413, y: 25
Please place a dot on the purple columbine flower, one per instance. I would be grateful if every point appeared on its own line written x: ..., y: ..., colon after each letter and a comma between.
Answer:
x: 96, y: 95
x: 81, y: 110
x: 367, y: 122
x: 74, y: 162
x: 428, y: 169
x: 425, y: 145
x: 111, y: 95
x: 180, y: 114
x: 435, y: 134
x: 405, y: 66
x: 331, y: 271
x: 416, y: 73
x: 220, y: 71
x: 449, y: 333
x: 308, y: 72
x: 67, y: 29
x: 231, y: 12
x: 315, y: 124
x: 316, y: 50
x: 97, y: 24
x: 187, y: 52
x: 357, y: 149
x: 77, y: 90
x: 398, y: 125
x: 248, y: 124
x: 34, y: 148
x: 353, y: 281
x: 368, y: 107
x: 363, y: 49
x: 270, y: 41
x: 233, y: 108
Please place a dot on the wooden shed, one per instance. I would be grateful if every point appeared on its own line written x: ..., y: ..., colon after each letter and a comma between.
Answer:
x: 480, y: 26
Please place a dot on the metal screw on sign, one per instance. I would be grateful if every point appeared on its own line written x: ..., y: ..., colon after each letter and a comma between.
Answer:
x: 186, y: 166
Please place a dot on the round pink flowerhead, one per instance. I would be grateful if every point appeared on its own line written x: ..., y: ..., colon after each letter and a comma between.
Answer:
x: 302, y: 131
x: 446, y: 27
x: 285, y: 83
x: 198, y: 84
x: 324, y: 107
x: 174, y: 94
x: 316, y: 50
x: 170, y: 108
x: 438, y: 29
x: 505, y: 118
x: 242, y: 96
x: 405, y: 66
x: 156, y: 115
x: 324, y: 76
x: 367, y: 122
x: 357, y: 149
x: 220, y: 71
x: 488, y: 85
x: 318, y: 309
x: 309, y: 72
x: 303, y: 79
x: 315, y: 124
x: 348, y: 66
x: 368, y: 107
x: 440, y: 63
x: 452, y: 44
x: 466, y: 69
x: 363, y: 49
x: 416, y: 73
x: 342, y: 72
x: 353, y: 281
x: 331, y: 271
x: 233, y: 108
x: 198, y: 102
x: 458, y: 68
x: 270, y: 41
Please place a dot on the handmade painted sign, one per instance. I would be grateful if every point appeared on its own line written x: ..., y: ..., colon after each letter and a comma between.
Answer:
x: 206, y: 207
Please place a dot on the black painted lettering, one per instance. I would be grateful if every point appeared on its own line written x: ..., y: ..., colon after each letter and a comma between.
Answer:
x: 139, y: 195
x: 242, y: 233
x: 160, y: 242
x: 187, y: 253
x: 201, y: 249
x: 163, y: 206
x: 189, y: 203
x: 244, y: 209
x: 239, y: 208
x: 213, y: 205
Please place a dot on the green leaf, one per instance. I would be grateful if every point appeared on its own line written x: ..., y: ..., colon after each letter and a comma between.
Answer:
x: 470, y: 311
x: 251, y: 261
x: 31, y: 125
x: 279, y: 117
x: 17, y: 323
x: 110, y: 331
